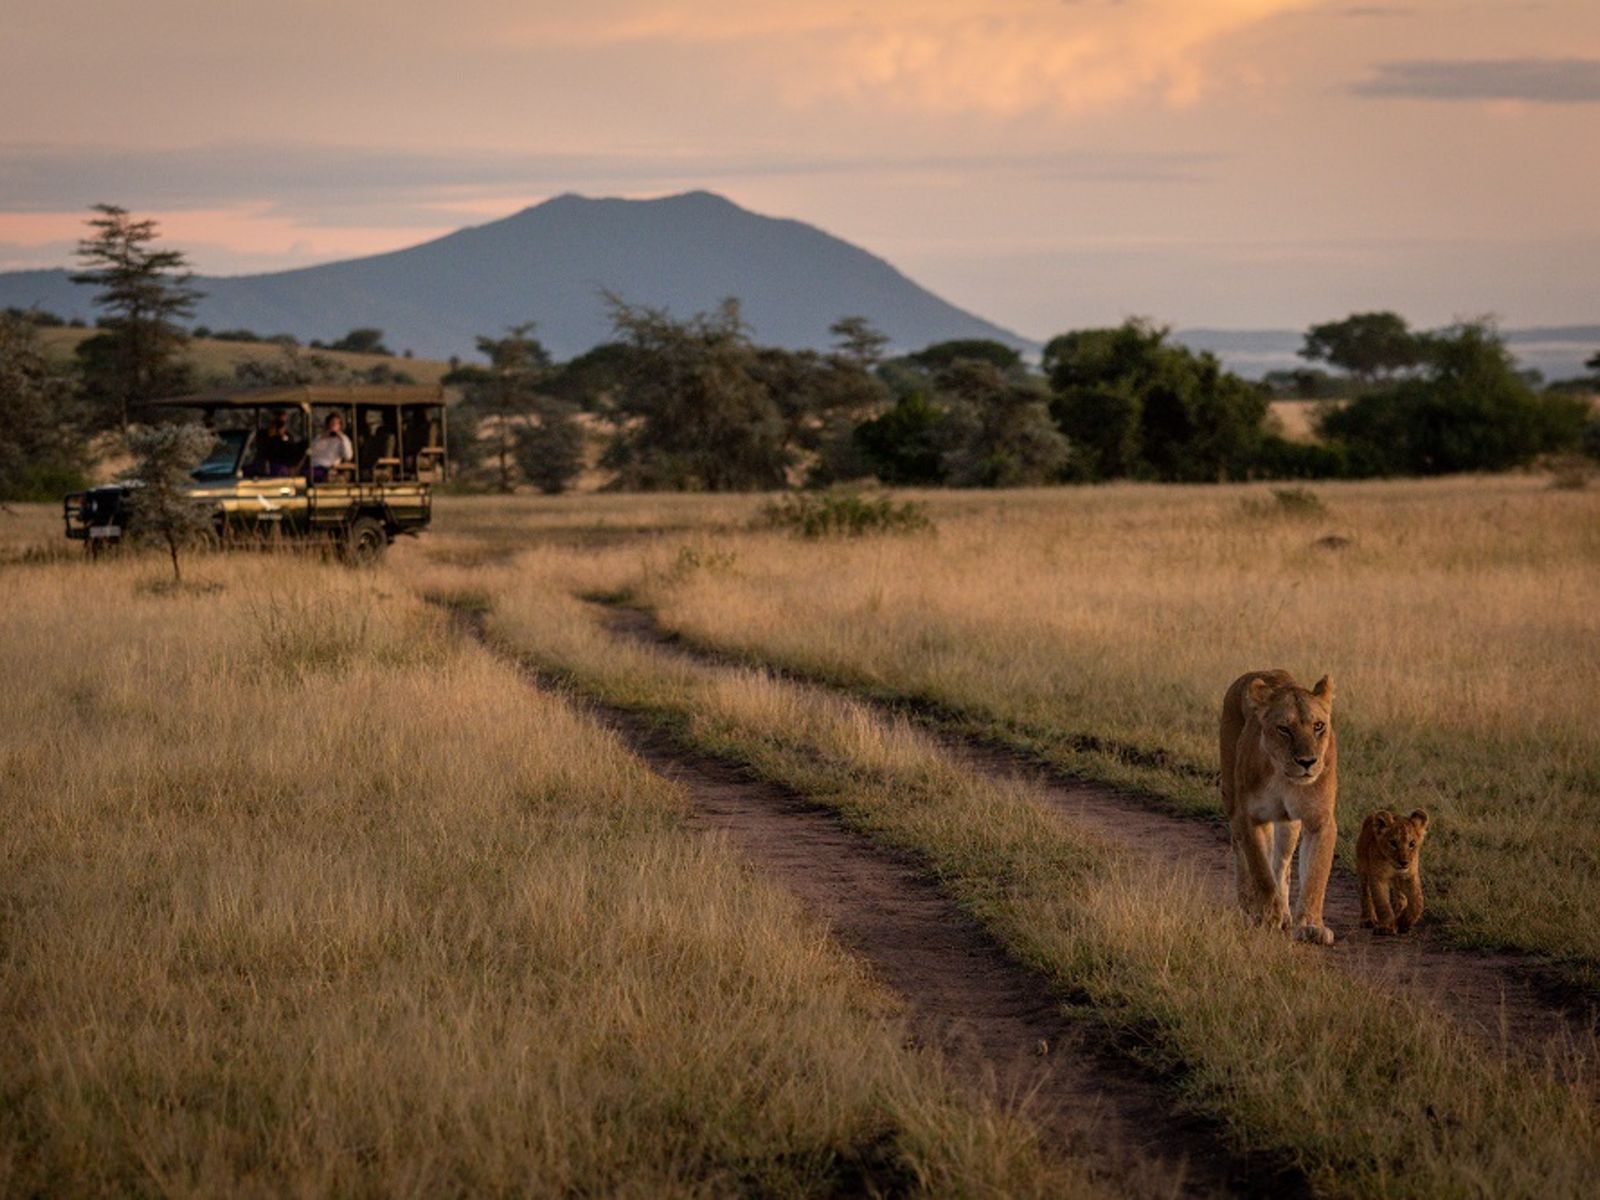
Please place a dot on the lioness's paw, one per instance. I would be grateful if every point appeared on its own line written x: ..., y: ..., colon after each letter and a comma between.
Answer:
x: 1317, y: 935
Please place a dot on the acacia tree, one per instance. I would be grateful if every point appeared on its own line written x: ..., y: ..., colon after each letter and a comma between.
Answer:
x: 145, y: 291
x: 691, y: 412
x: 1370, y: 346
x: 502, y: 397
x: 858, y: 341
x: 162, y: 509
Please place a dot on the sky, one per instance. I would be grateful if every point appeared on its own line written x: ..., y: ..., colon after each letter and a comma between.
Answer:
x: 1048, y: 164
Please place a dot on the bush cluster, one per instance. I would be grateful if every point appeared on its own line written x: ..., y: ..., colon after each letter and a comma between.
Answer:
x: 845, y: 514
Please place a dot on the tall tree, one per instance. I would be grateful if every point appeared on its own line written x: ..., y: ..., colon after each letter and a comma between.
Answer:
x: 1370, y: 346
x: 692, y: 413
x: 145, y: 291
x: 502, y: 398
x: 858, y: 341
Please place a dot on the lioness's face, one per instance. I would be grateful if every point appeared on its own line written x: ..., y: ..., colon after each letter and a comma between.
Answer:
x: 1296, y: 727
x: 1402, y: 838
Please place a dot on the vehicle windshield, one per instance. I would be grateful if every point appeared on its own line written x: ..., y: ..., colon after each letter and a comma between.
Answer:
x: 223, y: 461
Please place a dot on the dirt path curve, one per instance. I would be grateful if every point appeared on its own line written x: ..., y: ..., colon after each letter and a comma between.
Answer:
x: 1502, y: 999
x: 994, y: 1021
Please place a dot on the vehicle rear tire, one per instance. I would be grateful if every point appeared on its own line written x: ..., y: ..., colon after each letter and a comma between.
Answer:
x: 364, y: 542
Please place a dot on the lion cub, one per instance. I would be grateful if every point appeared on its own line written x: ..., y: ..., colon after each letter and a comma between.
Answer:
x: 1389, y: 864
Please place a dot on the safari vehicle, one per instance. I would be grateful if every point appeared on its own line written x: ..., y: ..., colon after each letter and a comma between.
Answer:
x: 259, y: 493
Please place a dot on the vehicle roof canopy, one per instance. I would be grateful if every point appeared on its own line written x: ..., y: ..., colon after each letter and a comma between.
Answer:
x: 263, y: 397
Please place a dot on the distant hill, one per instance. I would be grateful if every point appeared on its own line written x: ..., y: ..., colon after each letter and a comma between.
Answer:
x: 1558, y: 351
x: 549, y: 264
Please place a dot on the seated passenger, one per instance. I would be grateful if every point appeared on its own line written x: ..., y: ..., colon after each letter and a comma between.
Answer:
x: 329, y: 450
x: 276, y: 452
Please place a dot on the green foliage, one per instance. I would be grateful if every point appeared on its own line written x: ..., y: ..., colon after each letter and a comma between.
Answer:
x: 1279, y: 458
x: 500, y: 404
x: 858, y: 341
x: 692, y: 413
x: 549, y: 452
x: 593, y: 380
x: 845, y: 514
x: 999, y: 432
x: 1469, y: 410
x: 42, y: 451
x: 942, y: 355
x: 365, y: 340
x: 161, y: 508
x: 1133, y: 405
x: 145, y: 292
x: 1367, y: 345
x: 905, y: 446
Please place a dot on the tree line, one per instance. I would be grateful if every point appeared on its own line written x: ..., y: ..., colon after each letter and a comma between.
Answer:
x: 697, y: 404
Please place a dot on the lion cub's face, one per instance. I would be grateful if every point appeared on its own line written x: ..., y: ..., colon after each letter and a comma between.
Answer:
x: 1400, y: 838
x: 1296, y: 726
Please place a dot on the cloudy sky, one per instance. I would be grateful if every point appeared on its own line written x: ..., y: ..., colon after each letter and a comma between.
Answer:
x: 1047, y: 163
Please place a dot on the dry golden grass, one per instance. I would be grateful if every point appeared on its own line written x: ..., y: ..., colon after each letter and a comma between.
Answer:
x: 1295, y: 419
x: 1458, y: 617
x: 1368, y: 1092
x: 299, y: 894
x: 215, y: 359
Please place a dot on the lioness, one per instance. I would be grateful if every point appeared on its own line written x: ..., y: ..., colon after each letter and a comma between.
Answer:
x: 1279, y: 778
x: 1388, y: 863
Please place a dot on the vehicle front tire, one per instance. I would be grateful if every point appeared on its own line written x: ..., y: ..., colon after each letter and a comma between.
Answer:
x: 364, y: 542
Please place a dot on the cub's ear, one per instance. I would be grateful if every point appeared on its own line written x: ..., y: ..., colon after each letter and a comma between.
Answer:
x: 1324, y: 689
x: 1420, y: 817
x: 1381, y: 819
x: 1258, y: 695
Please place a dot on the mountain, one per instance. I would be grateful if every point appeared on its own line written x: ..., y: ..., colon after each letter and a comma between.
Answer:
x: 550, y: 264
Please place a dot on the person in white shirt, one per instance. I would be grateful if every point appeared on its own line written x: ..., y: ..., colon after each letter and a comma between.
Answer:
x: 329, y: 450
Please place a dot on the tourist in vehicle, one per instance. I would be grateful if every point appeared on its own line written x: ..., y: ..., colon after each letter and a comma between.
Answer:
x: 276, y: 452
x: 329, y: 450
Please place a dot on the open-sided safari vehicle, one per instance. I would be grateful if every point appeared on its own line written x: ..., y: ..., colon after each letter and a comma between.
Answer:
x: 256, y: 488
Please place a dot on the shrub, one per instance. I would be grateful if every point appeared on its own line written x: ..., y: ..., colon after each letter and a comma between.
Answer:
x: 845, y: 514
x: 1469, y: 411
x: 1280, y: 458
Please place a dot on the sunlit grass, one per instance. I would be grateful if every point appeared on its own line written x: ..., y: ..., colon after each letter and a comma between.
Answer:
x: 302, y: 894
x: 1369, y: 1092
x: 1101, y: 626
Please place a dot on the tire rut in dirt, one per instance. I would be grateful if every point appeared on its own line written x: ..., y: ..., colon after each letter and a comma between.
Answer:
x: 1505, y: 1000
x: 988, y: 1016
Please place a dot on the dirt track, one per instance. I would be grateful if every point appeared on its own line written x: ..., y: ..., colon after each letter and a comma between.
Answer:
x: 995, y: 1022
x: 1500, y: 998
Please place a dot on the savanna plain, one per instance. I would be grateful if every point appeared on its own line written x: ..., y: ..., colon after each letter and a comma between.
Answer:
x: 319, y: 880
